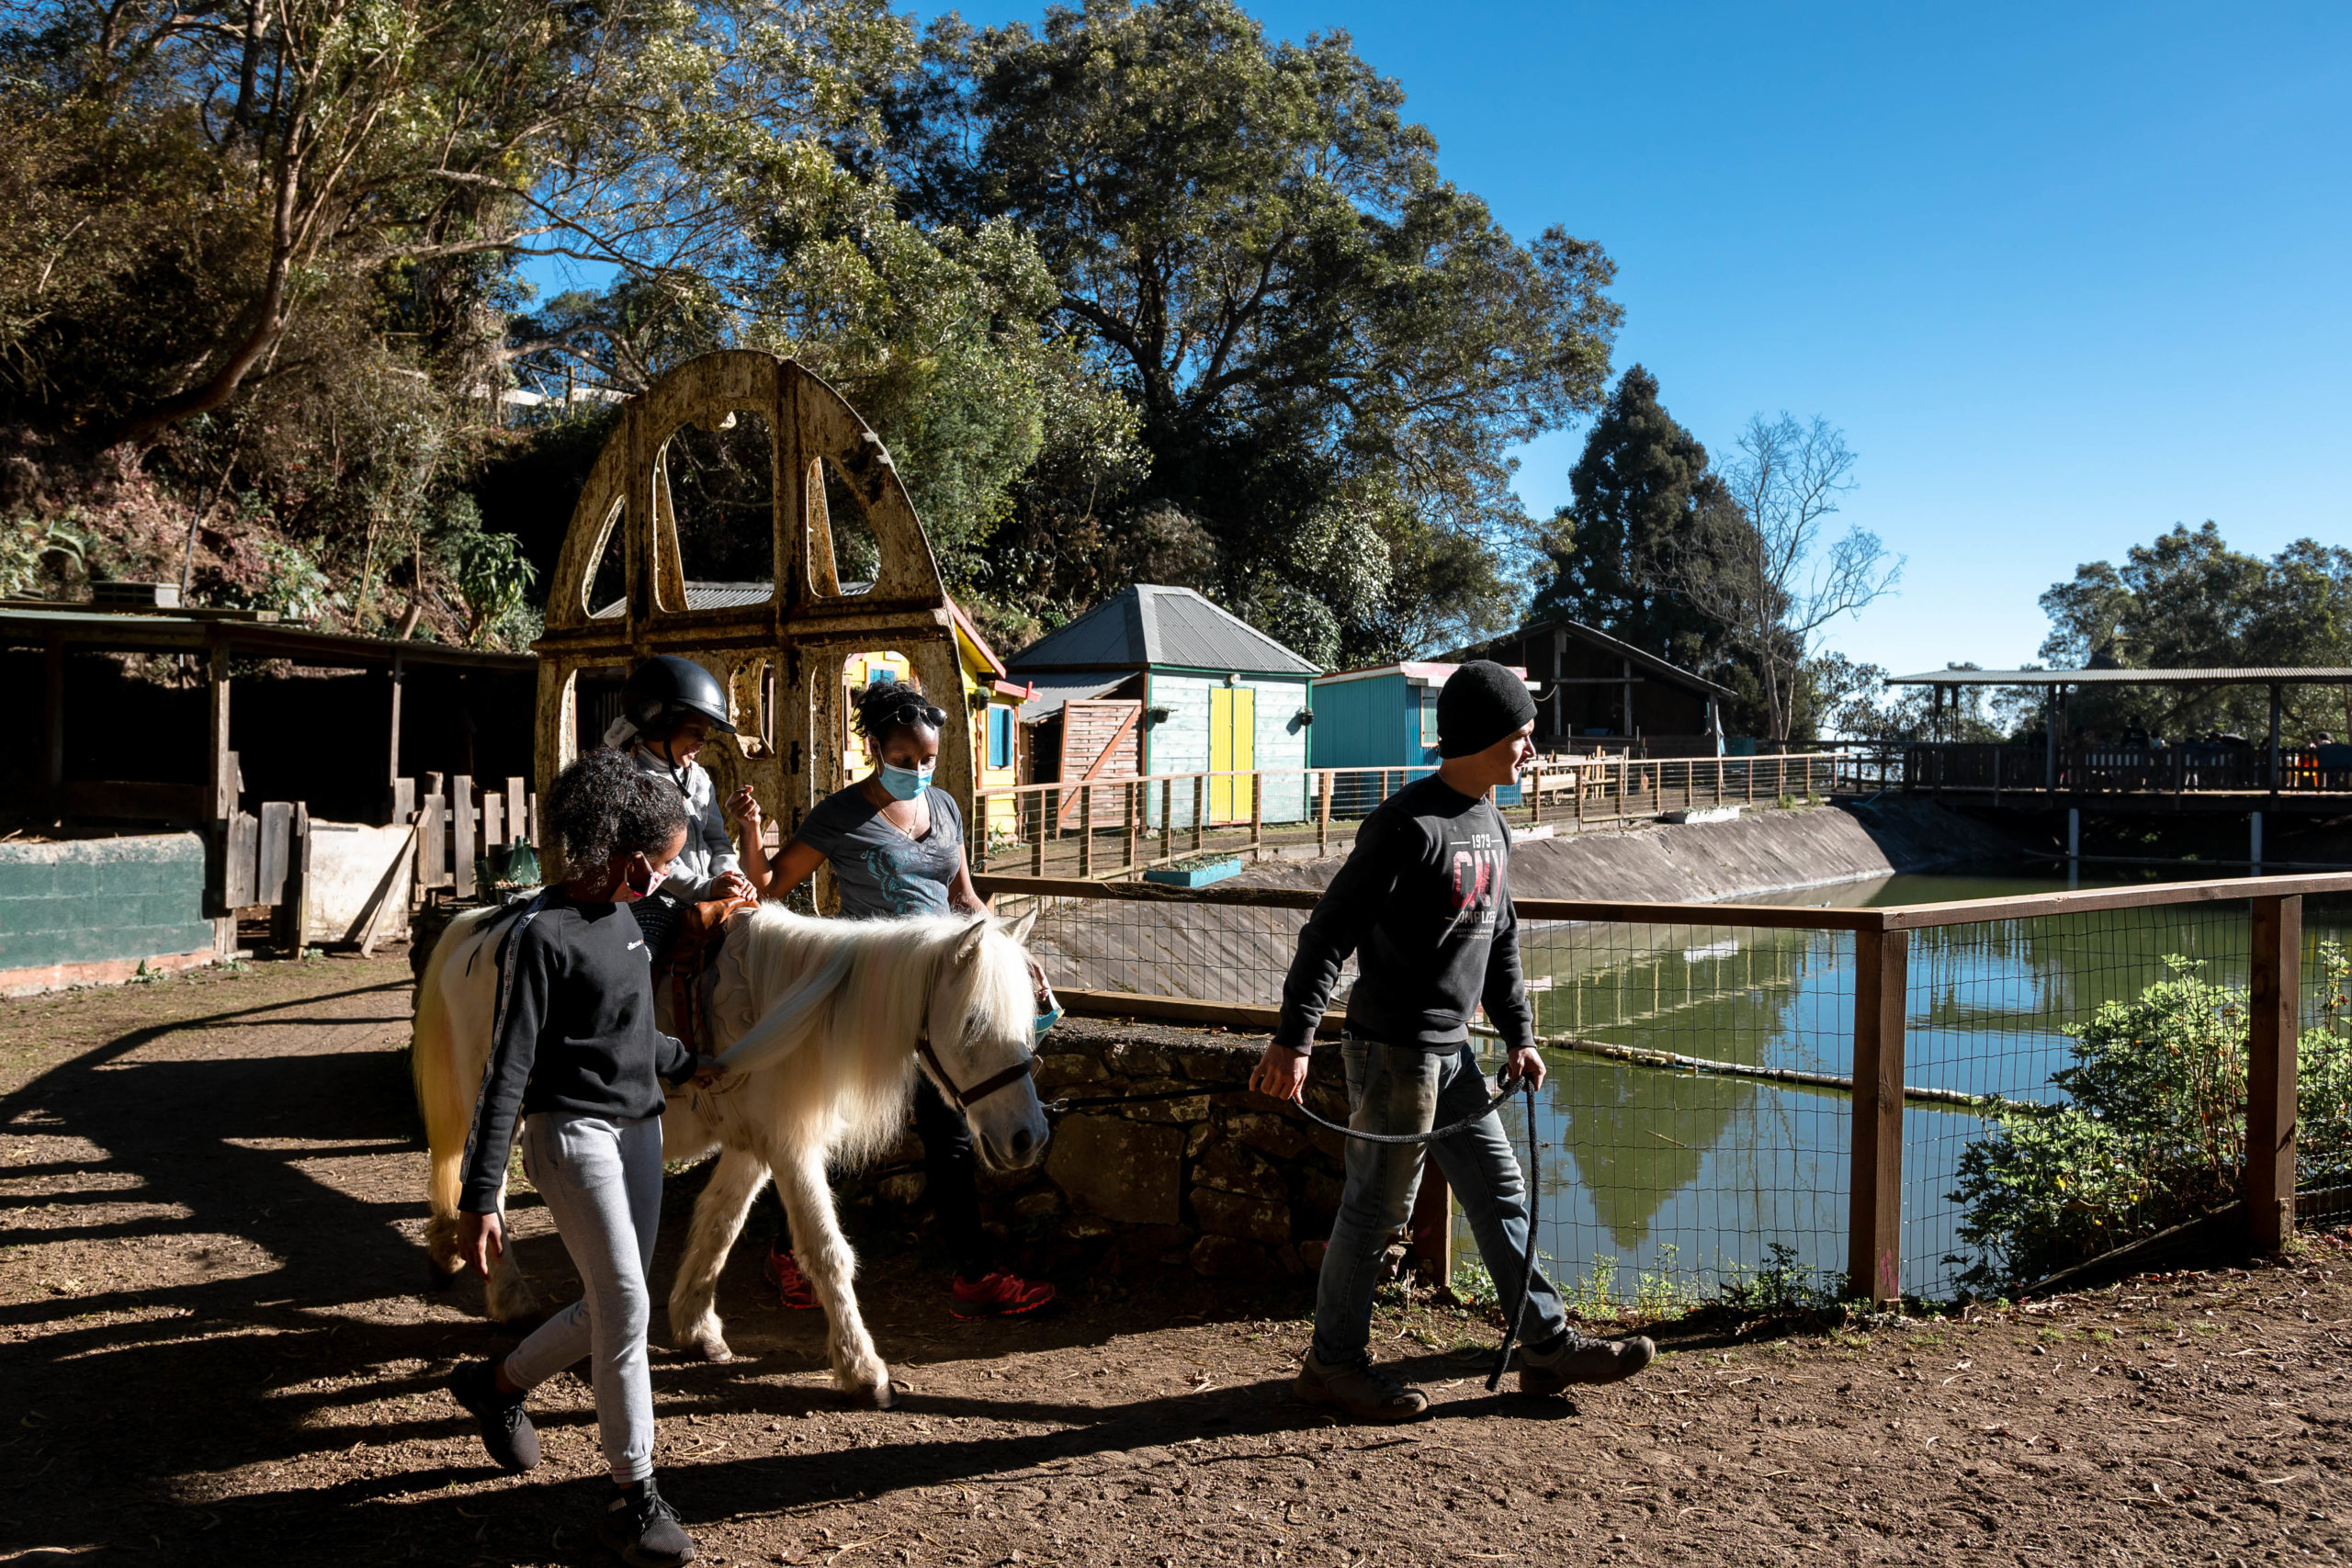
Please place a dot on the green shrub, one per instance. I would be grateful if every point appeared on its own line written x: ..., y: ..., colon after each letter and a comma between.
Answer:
x: 2153, y: 1131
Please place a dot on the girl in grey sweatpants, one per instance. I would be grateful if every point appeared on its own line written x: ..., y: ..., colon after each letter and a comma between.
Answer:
x: 575, y: 1057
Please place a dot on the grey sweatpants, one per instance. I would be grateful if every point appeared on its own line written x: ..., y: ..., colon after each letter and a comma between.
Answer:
x: 602, y: 1181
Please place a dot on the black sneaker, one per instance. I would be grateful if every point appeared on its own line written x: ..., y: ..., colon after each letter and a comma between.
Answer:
x: 507, y: 1430
x: 643, y: 1529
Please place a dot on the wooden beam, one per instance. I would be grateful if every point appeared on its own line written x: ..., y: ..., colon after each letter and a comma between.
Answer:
x: 2271, y: 1070
x: 1874, y: 1181
x: 53, y: 747
x: 1186, y: 1009
x: 221, y: 767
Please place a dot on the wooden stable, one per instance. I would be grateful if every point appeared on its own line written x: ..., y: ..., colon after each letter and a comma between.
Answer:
x: 780, y: 658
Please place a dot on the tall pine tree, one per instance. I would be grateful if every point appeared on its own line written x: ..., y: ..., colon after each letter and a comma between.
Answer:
x: 1642, y: 494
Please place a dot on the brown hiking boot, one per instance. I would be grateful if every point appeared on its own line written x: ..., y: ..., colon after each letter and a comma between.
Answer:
x: 1577, y: 1360
x: 1361, y: 1392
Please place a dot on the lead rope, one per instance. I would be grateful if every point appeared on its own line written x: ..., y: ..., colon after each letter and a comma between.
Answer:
x: 1526, y: 1089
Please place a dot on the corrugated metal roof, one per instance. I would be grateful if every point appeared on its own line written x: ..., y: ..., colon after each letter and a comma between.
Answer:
x: 1159, y: 627
x: 1053, y: 691
x: 1594, y: 637
x: 2259, y: 675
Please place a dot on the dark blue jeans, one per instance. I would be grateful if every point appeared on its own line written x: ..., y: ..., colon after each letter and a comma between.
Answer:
x: 1411, y: 1089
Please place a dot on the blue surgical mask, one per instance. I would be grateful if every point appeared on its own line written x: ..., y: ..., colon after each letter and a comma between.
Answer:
x: 905, y: 784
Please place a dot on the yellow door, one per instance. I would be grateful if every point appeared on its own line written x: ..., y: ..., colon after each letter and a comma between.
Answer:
x: 1233, y: 749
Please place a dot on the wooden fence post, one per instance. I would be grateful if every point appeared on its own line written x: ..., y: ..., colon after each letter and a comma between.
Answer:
x: 1324, y: 781
x: 1200, y: 810
x: 1257, y: 814
x: 2270, y: 1071
x: 1037, y: 835
x: 1135, y: 821
x: 465, y: 841
x: 1874, y: 1184
x: 1085, y: 832
x: 1167, y: 819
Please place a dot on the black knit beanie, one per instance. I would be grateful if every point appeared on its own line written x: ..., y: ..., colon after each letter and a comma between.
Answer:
x: 1481, y: 703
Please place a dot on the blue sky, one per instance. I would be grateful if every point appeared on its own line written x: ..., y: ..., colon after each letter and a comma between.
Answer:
x: 2066, y: 273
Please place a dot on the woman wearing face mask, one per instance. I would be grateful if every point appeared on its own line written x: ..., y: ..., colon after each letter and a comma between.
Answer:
x: 895, y: 845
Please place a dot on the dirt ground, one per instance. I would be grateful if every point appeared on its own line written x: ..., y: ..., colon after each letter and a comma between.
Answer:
x: 215, y: 1347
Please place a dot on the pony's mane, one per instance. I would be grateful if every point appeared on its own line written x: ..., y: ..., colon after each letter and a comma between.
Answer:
x: 855, y: 1054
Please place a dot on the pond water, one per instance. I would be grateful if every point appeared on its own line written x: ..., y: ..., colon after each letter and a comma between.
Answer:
x: 1695, y: 1178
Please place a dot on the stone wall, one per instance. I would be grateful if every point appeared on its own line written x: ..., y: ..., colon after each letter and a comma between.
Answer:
x: 1211, y: 1177
x: 89, y: 911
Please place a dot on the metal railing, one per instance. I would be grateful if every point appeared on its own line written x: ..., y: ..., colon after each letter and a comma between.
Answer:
x: 2187, y: 768
x: 1118, y: 825
x: 1708, y: 1060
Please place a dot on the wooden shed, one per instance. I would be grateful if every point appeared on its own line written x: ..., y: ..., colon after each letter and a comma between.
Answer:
x: 1593, y: 690
x: 1157, y: 681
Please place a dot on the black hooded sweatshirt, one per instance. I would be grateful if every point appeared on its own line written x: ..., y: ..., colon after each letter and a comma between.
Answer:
x: 1424, y: 901
x: 574, y: 1032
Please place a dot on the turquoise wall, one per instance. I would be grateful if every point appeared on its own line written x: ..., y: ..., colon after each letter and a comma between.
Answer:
x: 93, y: 899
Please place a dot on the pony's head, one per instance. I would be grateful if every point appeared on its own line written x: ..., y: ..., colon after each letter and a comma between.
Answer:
x: 982, y: 1040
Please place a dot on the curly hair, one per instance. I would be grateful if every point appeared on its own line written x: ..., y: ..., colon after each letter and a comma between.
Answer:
x: 605, y: 805
x: 883, y: 706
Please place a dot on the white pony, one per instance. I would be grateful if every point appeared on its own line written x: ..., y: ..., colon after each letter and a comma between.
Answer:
x: 823, y: 1025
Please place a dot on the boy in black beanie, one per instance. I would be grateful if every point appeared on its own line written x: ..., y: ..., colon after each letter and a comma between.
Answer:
x: 1425, y: 900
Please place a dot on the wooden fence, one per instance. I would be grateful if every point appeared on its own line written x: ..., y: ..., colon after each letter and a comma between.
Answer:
x: 1879, y: 1014
x: 1128, y: 824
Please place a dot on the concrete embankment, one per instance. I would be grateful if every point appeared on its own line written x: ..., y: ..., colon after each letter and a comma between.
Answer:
x: 1223, y: 954
x: 1767, y: 851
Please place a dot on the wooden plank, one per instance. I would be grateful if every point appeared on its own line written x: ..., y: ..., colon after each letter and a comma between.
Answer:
x: 403, y: 800
x: 240, y: 865
x: 221, y: 767
x: 518, y: 810
x: 292, y: 919
x: 2272, y: 1026
x: 398, y: 879
x: 433, y: 843
x: 1920, y: 917
x: 1186, y: 1009
x: 494, y: 820
x: 274, y: 864
x: 1874, y: 1180
x: 465, y: 836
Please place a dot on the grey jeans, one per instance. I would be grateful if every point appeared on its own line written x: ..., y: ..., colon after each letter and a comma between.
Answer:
x: 1411, y: 1088
x: 602, y: 1181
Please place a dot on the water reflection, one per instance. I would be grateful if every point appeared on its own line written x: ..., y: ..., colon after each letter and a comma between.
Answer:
x: 1699, y: 1173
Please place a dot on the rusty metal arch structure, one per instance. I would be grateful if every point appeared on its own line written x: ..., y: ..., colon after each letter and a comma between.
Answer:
x: 807, y: 630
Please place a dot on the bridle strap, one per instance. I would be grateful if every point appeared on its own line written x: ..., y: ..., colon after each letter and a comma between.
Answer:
x: 962, y: 1099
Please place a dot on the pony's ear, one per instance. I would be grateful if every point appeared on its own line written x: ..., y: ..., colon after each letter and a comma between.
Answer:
x: 967, y: 946
x: 1020, y: 927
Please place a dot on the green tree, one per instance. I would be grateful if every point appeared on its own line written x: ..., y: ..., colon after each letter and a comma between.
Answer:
x: 2186, y: 601
x: 1313, y: 328
x: 1643, y: 495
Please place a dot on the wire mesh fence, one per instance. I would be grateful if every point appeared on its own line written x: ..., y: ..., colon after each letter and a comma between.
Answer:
x: 2071, y: 1079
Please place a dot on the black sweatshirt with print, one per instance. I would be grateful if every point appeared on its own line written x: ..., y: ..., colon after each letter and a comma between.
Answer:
x: 1424, y: 902
x: 575, y: 1034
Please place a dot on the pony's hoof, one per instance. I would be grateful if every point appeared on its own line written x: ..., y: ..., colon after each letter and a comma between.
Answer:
x: 883, y: 1395
x: 714, y: 1351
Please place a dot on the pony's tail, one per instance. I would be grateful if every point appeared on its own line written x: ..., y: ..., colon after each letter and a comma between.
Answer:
x: 447, y: 1107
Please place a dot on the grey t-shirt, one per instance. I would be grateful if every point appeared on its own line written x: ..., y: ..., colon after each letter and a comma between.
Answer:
x: 881, y: 871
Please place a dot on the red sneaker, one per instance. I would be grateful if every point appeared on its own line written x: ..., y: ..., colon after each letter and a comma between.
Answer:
x: 792, y: 1288
x: 1000, y: 1293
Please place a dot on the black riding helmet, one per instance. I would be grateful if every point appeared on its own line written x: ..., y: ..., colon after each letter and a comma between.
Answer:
x: 665, y: 689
